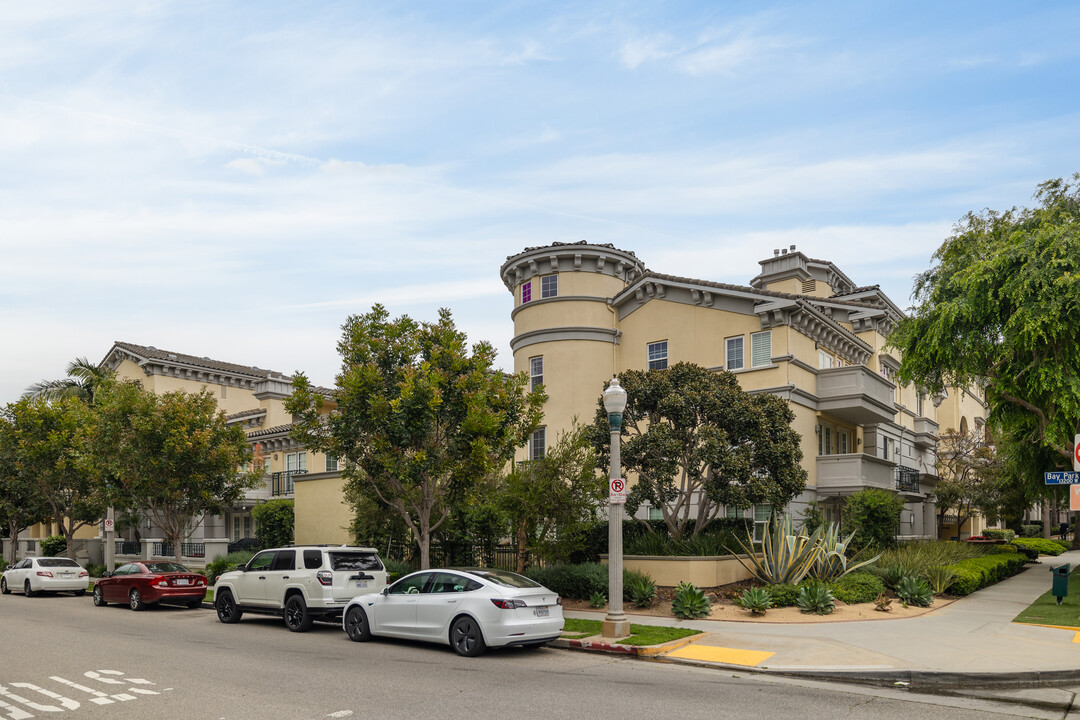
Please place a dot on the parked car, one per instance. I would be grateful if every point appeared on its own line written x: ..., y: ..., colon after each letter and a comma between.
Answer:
x: 139, y: 584
x: 47, y: 574
x: 248, y: 544
x: 468, y: 609
x: 299, y: 583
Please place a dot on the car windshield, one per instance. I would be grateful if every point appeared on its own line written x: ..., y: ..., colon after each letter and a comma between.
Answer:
x: 165, y: 567
x: 505, y: 578
x: 57, y: 562
x: 354, y: 561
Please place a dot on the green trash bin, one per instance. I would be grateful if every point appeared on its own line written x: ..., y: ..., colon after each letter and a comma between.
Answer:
x: 1060, y: 587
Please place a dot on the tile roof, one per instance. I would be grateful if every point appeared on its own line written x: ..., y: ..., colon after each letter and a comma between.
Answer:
x: 270, y: 431
x: 152, y: 353
x: 246, y: 413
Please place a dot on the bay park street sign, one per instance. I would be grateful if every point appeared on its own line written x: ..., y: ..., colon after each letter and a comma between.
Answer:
x: 1062, y: 477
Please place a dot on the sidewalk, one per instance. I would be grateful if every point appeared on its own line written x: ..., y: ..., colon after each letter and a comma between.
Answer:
x: 971, y: 642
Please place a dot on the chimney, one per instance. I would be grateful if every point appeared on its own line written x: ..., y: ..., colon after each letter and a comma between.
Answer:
x: 776, y: 252
x: 792, y: 248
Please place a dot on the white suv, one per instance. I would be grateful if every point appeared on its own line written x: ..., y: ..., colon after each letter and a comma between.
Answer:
x: 300, y: 583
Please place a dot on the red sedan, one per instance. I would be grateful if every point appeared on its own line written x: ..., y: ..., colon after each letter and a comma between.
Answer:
x: 139, y: 584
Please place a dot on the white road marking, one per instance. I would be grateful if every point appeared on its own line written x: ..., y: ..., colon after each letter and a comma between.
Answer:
x: 66, y: 703
x: 14, y: 713
x: 99, y: 698
x: 340, y: 714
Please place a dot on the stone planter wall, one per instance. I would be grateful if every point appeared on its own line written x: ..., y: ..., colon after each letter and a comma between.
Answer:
x: 702, y: 571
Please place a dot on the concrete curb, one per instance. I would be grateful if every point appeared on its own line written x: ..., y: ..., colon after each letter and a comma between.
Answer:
x: 924, y: 680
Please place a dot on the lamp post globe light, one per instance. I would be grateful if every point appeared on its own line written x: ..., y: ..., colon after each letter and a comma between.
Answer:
x: 615, y: 623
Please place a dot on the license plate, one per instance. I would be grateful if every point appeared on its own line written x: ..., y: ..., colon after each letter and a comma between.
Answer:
x: 541, y: 612
x: 361, y: 583
x: 183, y: 582
x: 65, y: 575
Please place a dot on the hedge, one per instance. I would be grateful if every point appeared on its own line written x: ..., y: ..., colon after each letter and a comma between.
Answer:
x: 1044, y: 547
x: 857, y: 587
x: 999, y: 534
x: 580, y: 581
x: 1031, y: 531
x: 975, y: 573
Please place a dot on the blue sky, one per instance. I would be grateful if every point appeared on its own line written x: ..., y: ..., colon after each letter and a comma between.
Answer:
x: 233, y: 180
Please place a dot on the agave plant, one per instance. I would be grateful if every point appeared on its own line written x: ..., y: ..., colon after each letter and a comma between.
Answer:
x: 914, y: 591
x: 832, y: 562
x: 690, y: 602
x: 642, y: 591
x: 816, y: 598
x: 756, y: 600
x: 787, y: 556
x: 940, y: 577
x: 597, y: 599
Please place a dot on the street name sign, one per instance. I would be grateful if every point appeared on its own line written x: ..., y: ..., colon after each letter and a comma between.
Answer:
x: 617, y: 491
x: 1063, y: 477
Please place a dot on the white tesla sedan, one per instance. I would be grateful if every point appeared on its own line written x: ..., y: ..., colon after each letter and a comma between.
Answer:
x: 48, y: 574
x: 468, y: 609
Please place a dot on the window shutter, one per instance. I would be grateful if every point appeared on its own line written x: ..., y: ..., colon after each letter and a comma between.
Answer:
x: 761, y: 348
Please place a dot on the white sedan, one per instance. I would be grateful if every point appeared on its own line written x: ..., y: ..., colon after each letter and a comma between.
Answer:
x: 49, y: 574
x: 467, y: 609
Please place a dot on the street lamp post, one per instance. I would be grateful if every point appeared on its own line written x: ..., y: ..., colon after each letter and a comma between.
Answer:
x: 615, y: 623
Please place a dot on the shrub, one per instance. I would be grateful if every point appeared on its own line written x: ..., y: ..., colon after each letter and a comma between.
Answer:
x: 95, y: 570
x: 1065, y: 544
x: 858, y: 587
x: 999, y: 549
x: 641, y: 589
x: 54, y: 546
x: 1030, y: 554
x: 596, y: 600
x: 1030, y: 531
x: 893, y: 574
x: 756, y: 600
x: 999, y: 534
x: 1043, y: 547
x: 873, y: 514
x: 224, y: 563
x: 690, y: 602
x: 940, y: 577
x: 975, y: 573
x: 274, y: 520
x: 573, y: 581
x: 815, y: 598
x: 3, y: 565
x: 396, y: 569
x: 914, y: 591
x: 916, y: 558
x: 784, y: 595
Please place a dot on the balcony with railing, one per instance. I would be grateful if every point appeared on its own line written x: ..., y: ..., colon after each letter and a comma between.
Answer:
x: 281, y: 483
x: 855, y: 394
x: 907, y: 481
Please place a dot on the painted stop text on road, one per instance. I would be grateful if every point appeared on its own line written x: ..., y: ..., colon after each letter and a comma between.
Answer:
x: 25, y: 700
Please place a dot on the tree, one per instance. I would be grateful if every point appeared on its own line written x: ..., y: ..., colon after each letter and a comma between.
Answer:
x: 21, y: 503
x: 968, y: 480
x: 874, y: 516
x: 697, y: 442
x: 53, y: 454
x: 550, y: 501
x: 82, y: 382
x: 172, y: 455
x: 1001, y: 306
x: 274, y: 522
x: 417, y: 417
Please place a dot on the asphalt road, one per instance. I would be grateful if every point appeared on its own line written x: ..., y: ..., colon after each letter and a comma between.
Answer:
x: 61, y: 652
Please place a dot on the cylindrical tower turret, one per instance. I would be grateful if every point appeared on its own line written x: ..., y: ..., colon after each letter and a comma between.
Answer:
x: 564, y: 330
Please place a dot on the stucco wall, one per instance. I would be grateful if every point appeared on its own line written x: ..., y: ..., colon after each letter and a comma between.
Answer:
x: 321, y: 513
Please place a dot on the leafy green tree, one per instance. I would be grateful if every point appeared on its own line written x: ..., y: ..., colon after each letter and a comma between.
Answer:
x: 697, y: 442
x: 874, y: 516
x: 82, y: 382
x: 418, y: 418
x: 54, y: 454
x: 968, y: 480
x: 21, y: 503
x: 1001, y: 306
x: 551, y: 501
x: 173, y: 455
x: 274, y: 522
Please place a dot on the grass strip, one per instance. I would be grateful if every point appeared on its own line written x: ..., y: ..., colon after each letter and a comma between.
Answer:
x: 576, y: 628
x: 1046, y: 611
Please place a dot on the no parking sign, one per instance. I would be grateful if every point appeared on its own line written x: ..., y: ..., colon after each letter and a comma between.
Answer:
x: 617, y: 491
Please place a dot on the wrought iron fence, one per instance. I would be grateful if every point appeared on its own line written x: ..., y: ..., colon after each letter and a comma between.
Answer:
x: 281, y: 483
x: 502, y: 557
x: 192, y: 550
x: 124, y: 547
x: 907, y: 479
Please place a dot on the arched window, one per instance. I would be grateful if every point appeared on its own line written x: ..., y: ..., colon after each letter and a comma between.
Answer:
x: 963, y: 426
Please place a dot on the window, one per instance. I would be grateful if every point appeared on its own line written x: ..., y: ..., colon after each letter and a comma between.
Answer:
x: 825, y: 360
x: 820, y: 439
x: 295, y: 463
x: 885, y: 448
x: 285, y: 560
x: 656, y: 513
x: 526, y: 292
x: 549, y: 286
x: 331, y: 464
x: 828, y: 440
x: 918, y: 404
x: 262, y: 561
x: 536, y: 444
x: 730, y: 511
x: 761, y: 348
x: 841, y: 439
x: 734, y: 351
x: 658, y: 355
x: 536, y: 371
x: 761, y: 517
x: 411, y: 585
x: 241, y: 526
x: 312, y: 559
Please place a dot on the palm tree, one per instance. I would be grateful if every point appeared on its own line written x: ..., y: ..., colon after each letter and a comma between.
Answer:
x: 82, y: 381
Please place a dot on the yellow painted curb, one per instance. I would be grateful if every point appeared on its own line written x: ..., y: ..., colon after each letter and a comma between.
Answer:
x: 1056, y: 627
x: 729, y: 656
x: 667, y: 647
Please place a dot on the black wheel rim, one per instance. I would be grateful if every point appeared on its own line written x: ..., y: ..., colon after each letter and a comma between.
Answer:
x: 224, y: 607
x: 355, y: 624
x: 465, y: 636
x: 294, y: 615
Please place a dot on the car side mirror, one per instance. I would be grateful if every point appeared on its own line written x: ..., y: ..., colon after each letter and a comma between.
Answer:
x: 106, y: 574
x: 385, y: 591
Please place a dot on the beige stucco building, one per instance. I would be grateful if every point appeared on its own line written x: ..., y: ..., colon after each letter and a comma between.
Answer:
x: 801, y: 330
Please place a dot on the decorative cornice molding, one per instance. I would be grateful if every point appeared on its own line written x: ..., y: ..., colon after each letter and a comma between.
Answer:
x: 570, y: 257
x: 561, y: 298
x: 819, y: 327
x: 595, y: 334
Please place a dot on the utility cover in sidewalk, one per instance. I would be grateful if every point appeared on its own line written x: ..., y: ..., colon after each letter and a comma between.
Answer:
x: 731, y: 656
